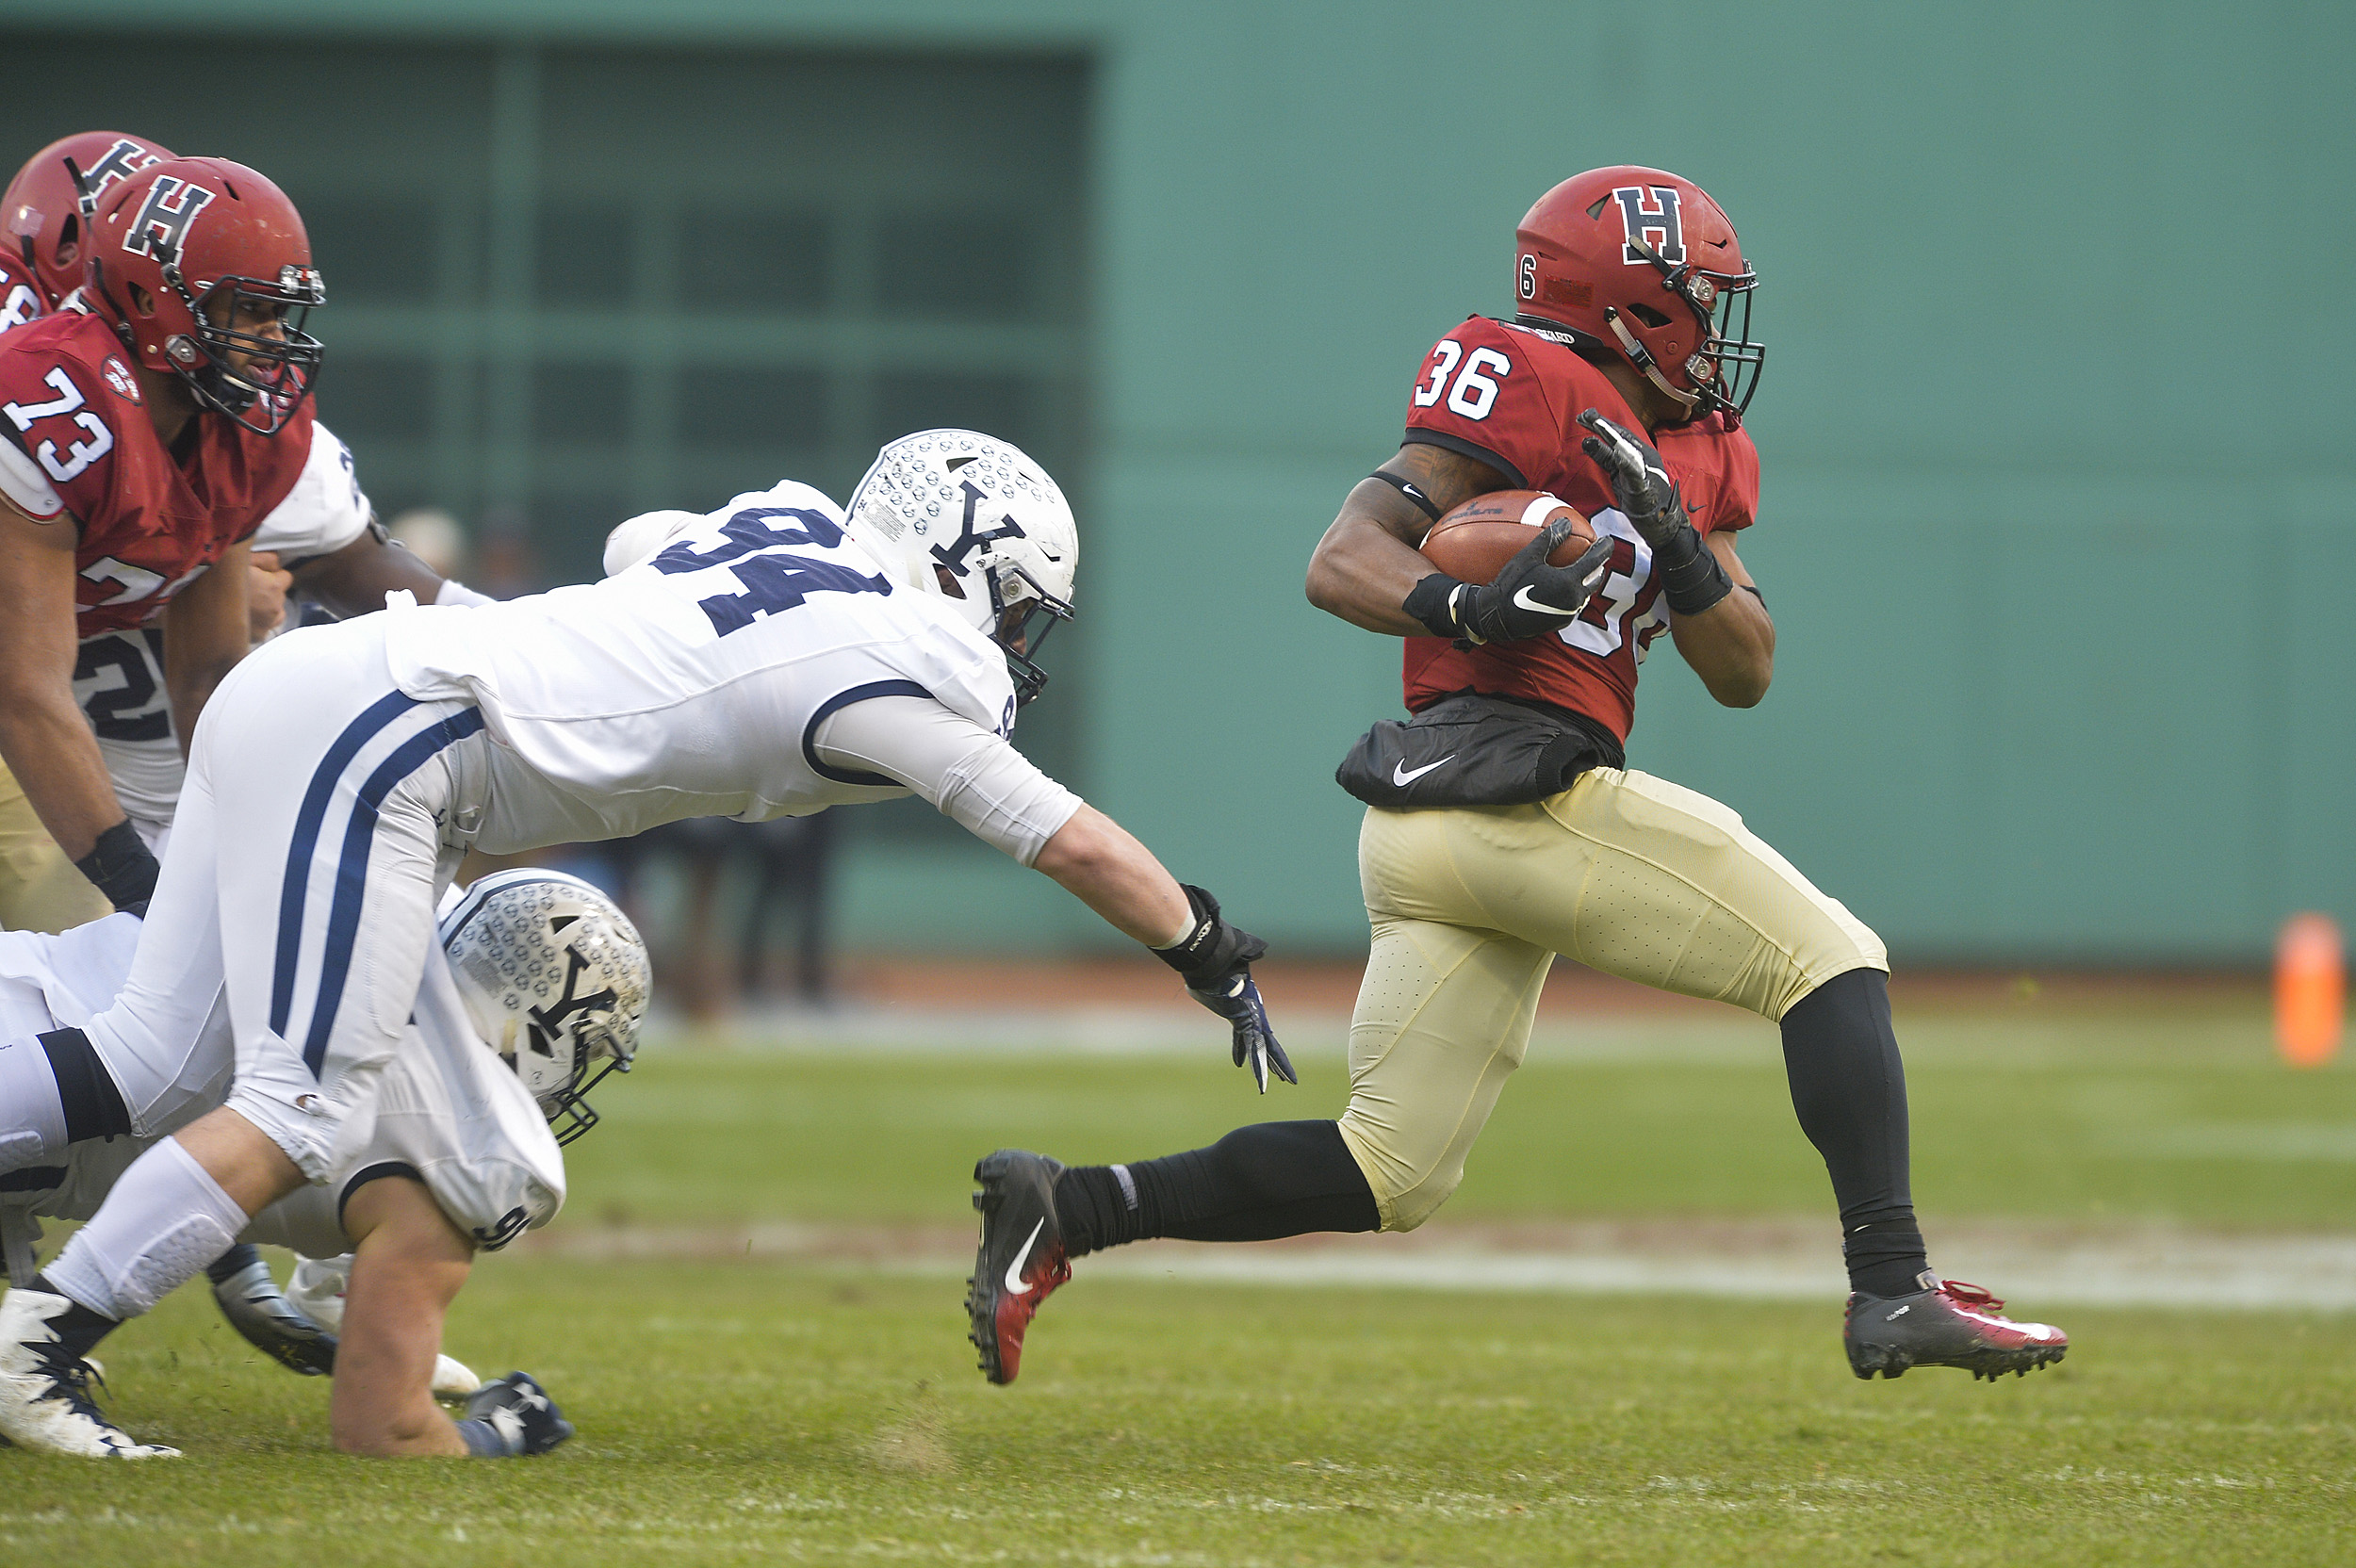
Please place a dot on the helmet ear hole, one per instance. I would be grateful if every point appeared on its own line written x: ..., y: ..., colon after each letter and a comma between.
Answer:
x: 1645, y: 313
x: 141, y: 300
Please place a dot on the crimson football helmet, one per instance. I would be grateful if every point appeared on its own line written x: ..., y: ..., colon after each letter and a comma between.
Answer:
x: 202, y: 267
x: 46, y: 208
x: 1642, y: 264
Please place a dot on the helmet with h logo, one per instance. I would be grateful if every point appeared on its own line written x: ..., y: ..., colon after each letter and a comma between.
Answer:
x: 49, y: 204
x: 203, y: 268
x: 1642, y: 264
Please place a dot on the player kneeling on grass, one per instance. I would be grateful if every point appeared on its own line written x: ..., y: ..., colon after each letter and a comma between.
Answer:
x: 454, y: 1149
x: 773, y: 658
x: 1504, y: 825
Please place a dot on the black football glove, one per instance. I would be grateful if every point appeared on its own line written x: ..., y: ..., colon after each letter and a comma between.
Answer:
x: 120, y: 866
x: 1529, y: 598
x: 1215, y: 959
x: 259, y: 1311
x: 512, y: 1418
x: 1690, y: 577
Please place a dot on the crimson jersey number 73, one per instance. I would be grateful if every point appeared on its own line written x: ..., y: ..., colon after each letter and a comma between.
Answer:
x: 77, y: 455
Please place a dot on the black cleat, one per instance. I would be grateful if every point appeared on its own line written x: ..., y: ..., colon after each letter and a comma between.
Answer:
x: 1947, y: 1324
x: 1020, y: 1259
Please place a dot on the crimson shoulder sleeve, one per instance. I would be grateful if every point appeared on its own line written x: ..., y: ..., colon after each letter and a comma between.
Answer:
x: 1480, y: 393
x: 59, y: 414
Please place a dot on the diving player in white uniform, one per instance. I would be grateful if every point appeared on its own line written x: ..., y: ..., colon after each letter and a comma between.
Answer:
x: 533, y: 993
x: 772, y: 658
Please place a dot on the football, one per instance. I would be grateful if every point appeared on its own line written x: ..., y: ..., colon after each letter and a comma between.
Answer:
x: 1473, y: 542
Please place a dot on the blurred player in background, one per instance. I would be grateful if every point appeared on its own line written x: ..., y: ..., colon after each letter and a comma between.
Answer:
x: 533, y: 993
x: 159, y: 422
x: 770, y: 658
x: 1505, y: 825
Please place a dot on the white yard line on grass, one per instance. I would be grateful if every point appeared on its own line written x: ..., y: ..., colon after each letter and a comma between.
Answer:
x: 2032, y: 1267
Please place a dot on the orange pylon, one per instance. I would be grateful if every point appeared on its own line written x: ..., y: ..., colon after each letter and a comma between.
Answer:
x: 2310, y: 989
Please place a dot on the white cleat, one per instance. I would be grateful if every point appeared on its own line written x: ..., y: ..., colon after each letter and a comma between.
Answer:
x: 453, y: 1380
x: 317, y: 1290
x: 44, y: 1397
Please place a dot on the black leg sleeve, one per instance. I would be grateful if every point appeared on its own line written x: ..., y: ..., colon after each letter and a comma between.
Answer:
x: 1277, y: 1179
x: 1849, y: 1087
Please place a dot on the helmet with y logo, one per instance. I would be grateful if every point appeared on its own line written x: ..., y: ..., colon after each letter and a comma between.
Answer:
x: 1642, y: 264
x: 972, y: 519
x: 555, y: 979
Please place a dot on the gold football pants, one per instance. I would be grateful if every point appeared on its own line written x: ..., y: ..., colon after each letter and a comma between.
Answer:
x: 1623, y: 872
x: 40, y: 888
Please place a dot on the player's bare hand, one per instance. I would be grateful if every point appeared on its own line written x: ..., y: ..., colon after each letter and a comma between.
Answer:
x: 266, y: 585
x: 1640, y: 480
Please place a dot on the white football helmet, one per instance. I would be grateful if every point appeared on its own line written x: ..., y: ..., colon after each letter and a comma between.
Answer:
x: 555, y: 979
x: 970, y: 518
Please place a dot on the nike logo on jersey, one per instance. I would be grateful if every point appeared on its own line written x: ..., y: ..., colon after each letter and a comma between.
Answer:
x: 1403, y: 775
x: 1521, y: 597
x: 1014, y: 1270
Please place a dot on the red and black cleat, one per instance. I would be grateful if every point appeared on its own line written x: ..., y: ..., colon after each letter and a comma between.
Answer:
x: 1949, y: 1324
x: 1021, y: 1260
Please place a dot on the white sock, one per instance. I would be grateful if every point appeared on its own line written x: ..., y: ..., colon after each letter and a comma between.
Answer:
x: 163, y: 1222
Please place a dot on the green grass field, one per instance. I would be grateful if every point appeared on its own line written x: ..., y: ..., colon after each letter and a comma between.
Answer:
x: 821, y: 1412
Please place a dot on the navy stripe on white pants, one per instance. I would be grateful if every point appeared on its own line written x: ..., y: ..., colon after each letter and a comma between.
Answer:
x: 302, y: 876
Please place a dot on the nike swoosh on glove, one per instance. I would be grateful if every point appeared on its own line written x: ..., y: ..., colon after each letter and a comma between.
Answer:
x: 1529, y: 597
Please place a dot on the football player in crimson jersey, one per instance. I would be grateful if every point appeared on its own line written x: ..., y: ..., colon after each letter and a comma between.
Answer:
x: 138, y: 447
x: 1505, y: 826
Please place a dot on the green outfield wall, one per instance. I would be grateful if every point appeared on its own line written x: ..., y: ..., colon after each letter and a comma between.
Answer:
x: 2058, y: 493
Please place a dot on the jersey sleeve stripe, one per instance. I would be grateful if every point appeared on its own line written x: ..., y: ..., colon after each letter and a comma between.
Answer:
x: 1514, y: 480
x: 367, y: 1174
x: 844, y: 699
x: 21, y: 480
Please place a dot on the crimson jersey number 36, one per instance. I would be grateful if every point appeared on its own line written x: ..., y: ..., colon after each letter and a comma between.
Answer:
x: 1473, y: 391
x: 77, y: 455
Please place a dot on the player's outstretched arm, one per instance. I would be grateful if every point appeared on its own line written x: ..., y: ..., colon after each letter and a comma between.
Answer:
x: 353, y: 580
x: 1368, y: 563
x: 407, y: 1268
x: 1104, y: 866
x: 1101, y: 864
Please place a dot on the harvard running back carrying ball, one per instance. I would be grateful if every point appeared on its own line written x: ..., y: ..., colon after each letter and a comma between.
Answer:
x: 1476, y: 541
x: 1504, y: 825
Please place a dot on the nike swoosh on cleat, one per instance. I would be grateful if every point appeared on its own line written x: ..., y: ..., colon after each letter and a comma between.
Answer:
x: 1014, y: 1269
x: 1521, y: 597
x: 1402, y: 775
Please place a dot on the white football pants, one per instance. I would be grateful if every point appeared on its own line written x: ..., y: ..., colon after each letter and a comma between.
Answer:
x: 313, y: 838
